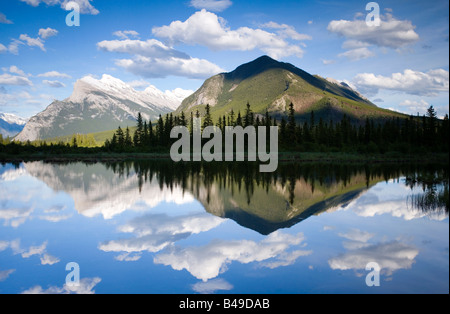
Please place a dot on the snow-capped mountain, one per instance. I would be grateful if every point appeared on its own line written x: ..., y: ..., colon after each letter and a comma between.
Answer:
x: 11, y: 124
x: 100, y: 105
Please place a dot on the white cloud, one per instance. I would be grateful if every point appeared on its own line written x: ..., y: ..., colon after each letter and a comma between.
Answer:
x: 126, y: 34
x: 160, y: 68
x: 54, y: 84
x: 48, y: 32
x: 4, y: 20
x: 357, y: 235
x: 156, y: 232
x: 85, y: 5
x: 212, y: 286
x: 15, y: 70
x: 33, y: 42
x: 208, y: 261
x: 392, y: 33
x: 47, y: 259
x: 3, y: 49
x: 55, y: 74
x: 211, y: 5
x: 207, y: 29
x: 357, y: 54
x: 85, y: 286
x: 14, y: 46
x: 411, y: 82
x: 414, y: 106
x: 390, y: 256
x: 287, y: 31
x: 8, y: 79
x: 327, y: 62
x: 152, y: 58
x: 35, y: 250
x: 55, y: 218
x: 150, y: 48
x: 4, y: 274
x: 41, y: 251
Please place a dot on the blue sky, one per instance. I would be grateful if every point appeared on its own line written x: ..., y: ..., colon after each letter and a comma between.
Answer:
x: 401, y: 65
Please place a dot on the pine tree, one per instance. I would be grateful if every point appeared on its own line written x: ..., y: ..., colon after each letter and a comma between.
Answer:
x: 128, y: 141
x: 120, y: 138
x: 239, y: 119
x: 182, y: 120
x: 208, y: 119
x: 160, y: 131
x: 291, y: 124
x: 248, y: 118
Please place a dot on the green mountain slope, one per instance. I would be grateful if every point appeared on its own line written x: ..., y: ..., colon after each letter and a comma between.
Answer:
x: 271, y: 85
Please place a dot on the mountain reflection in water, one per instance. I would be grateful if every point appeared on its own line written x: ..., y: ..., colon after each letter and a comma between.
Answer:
x: 238, y: 191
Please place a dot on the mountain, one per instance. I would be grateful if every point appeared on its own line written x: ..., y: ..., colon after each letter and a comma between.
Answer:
x: 271, y: 85
x: 99, y: 105
x: 10, y: 124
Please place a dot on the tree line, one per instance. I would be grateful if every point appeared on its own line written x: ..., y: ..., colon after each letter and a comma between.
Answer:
x: 411, y: 134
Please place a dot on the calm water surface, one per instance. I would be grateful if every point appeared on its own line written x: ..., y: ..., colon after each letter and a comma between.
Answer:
x: 145, y: 227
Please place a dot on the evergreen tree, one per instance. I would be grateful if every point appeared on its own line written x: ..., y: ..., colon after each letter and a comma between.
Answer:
x: 239, y: 120
x: 128, y: 141
x: 291, y: 124
x: 120, y: 138
x: 208, y: 119
x: 248, y: 118
x: 182, y: 120
x: 160, y: 131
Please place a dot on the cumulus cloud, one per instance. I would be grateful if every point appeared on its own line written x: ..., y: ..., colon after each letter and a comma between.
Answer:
x: 414, y: 106
x: 54, y: 84
x: 150, y: 48
x: 85, y: 5
x: 207, y: 29
x: 33, y: 42
x: 207, y: 262
x: 211, y: 5
x: 3, y: 49
x: 160, y: 68
x: 153, y: 59
x: 411, y: 82
x: 391, y: 33
x: 390, y: 256
x: 153, y: 233
x: 54, y: 74
x: 48, y: 32
x: 86, y: 286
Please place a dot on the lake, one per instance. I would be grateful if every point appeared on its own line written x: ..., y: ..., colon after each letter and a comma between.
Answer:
x: 158, y: 227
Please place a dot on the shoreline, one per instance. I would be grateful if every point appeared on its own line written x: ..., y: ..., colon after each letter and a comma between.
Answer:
x: 297, y: 157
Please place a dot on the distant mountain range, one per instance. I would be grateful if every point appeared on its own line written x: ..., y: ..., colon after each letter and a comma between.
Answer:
x: 271, y: 85
x: 11, y: 125
x: 99, y: 105
x: 268, y: 85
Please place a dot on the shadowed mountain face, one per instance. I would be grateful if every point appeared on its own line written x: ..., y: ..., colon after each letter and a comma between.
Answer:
x: 271, y: 85
x: 261, y: 202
